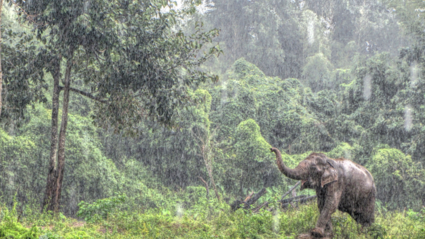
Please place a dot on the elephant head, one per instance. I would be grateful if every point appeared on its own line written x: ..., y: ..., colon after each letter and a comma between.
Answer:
x: 314, y: 172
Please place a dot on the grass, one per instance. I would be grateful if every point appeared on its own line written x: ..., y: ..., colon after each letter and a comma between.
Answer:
x: 210, y: 220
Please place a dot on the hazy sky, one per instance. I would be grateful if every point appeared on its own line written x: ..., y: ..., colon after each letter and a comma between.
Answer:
x: 201, y: 8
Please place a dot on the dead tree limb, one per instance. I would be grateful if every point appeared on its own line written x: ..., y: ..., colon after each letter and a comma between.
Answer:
x: 206, y: 186
x: 253, y: 199
x: 257, y: 209
x: 248, y: 197
x: 249, y: 200
x: 290, y: 190
x: 292, y: 199
x: 285, y: 203
x: 301, y: 200
x: 237, y: 203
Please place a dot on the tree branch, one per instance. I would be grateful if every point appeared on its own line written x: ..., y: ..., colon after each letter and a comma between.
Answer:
x: 290, y: 190
x: 254, y: 198
x: 85, y: 94
x: 299, y: 200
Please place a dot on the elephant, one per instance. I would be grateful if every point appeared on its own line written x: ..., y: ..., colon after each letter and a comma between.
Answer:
x: 339, y: 183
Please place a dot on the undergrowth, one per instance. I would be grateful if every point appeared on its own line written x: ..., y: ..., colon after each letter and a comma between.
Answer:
x: 120, y: 217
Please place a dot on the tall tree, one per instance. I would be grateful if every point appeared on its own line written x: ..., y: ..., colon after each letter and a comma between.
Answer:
x: 1, y: 72
x: 22, y: 80
x: 133, y: 63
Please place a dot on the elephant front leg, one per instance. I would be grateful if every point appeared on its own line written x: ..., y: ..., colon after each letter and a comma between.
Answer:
x: 329, y: 206
x: 320, y: 231
x: 320, y: 204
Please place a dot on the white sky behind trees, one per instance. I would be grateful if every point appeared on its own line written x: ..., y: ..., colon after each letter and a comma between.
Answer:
x: 203, y: 8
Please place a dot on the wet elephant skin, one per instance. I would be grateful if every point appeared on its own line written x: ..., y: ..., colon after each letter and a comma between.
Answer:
x: 339, y: 184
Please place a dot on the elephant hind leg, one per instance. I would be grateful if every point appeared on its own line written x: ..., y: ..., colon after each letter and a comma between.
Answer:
x: 367, y: 215
x: 366, y: 219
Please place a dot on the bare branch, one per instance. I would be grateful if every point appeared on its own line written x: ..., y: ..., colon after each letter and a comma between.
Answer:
x: 85, y: 94
x: 290, y: 190
x: 253, y: 199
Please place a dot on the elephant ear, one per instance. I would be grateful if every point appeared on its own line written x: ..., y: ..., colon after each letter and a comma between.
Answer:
x: 330, y: 175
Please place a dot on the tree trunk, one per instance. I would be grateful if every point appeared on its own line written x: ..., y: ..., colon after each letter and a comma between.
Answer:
x: 57, y: 158
x: 51, y: 176
x: 206, y: 155
x: 213, y: 183
x: 206, y: 187
x: 62, y: 136
x: 1, y: 72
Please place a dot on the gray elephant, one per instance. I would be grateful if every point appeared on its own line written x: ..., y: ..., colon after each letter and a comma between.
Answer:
x: 339, y: 183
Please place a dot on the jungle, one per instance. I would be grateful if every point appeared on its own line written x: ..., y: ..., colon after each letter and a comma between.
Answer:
x: 155, y: 118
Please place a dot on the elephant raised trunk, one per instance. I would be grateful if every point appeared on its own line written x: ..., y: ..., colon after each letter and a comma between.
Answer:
x: 298, y: 173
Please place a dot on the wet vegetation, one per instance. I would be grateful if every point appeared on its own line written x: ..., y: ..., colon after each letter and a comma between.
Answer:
x: 167, y: 115
x: 190, y: 215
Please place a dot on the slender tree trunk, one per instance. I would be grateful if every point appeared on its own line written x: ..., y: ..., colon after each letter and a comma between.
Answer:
x: 57, y: 147
x: 206, y: 156
x: 206, y: 187
x: 52, y: 173
x: 1, y: 72
x: 213, y: 183
x: 62, y: 134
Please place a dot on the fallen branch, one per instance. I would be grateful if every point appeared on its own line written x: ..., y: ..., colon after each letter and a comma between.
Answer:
x: 290, y: 190
x: 292, y: 199
x: 252, y: 200
x: 248, y: 197
x: 237, y: 203
x: 257, y: 209
x: 249, y: 200
x: 299, y: 201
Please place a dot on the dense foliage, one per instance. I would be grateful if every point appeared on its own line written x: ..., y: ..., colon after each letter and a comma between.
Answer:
x: 341, y: 77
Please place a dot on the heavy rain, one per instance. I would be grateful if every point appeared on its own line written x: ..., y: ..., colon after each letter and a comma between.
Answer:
x: 212, y: 119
